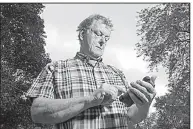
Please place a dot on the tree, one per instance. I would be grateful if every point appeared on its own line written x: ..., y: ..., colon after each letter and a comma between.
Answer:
x: 22, y: 35
x: 165, y: 40
x: 22, y: 58
x: 149, y: 123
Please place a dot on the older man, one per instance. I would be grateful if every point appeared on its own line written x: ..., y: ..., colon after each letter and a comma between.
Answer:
x: 83, y: 92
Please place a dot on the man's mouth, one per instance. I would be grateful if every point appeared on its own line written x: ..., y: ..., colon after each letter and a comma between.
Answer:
x: 99, y: 47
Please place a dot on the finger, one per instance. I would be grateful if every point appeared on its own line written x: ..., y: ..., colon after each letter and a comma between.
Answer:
x: 142, y: 90
x: 139, y: 95
x: 135, y: 98
x: 148, y: 79
x: 120, y: 89
x: 153, y: 78
x: 147, y: 85
x: 139, y: 87
x: 108, y: 103
x: 108, y: 88
x: 149, y: 95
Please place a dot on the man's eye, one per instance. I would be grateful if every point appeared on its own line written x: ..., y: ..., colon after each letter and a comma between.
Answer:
x: 106, y: 38
x: 98, y: 33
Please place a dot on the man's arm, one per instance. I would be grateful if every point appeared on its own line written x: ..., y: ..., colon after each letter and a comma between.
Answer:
x: 45, y: 109
x: 52, y: 111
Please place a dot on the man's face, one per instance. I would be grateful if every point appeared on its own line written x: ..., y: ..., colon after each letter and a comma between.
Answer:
x: 95, y: 38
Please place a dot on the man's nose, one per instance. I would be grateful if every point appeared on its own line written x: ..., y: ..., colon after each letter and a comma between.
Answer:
x: 102, y: 41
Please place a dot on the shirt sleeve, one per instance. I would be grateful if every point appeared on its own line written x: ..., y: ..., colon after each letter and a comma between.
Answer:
x: 42, y: 85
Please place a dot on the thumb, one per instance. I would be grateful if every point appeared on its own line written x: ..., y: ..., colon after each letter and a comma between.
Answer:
x: 120, y: 89
x: 153, y: 78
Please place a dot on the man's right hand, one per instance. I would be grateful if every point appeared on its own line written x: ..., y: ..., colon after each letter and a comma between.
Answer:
x: 106, y: 94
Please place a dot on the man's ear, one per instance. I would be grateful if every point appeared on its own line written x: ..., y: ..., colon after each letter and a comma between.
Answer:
x: 81, y: 35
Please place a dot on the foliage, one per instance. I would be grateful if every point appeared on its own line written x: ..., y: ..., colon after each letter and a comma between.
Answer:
x: 149, y: 123
x: 165, y: 40
x: 22, y: 36
x: 22, y: 58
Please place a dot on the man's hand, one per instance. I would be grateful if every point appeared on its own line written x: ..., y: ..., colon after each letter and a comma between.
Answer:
x: 142, y: 93
x: 106, y: 94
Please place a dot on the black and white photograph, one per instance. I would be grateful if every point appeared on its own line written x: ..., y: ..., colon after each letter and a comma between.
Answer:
x: 95, y: 65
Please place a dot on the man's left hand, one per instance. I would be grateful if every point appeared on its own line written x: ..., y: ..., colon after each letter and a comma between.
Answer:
x: 142, y: 93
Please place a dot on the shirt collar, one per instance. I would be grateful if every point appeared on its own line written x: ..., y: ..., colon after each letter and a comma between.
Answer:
x: 87, y: 59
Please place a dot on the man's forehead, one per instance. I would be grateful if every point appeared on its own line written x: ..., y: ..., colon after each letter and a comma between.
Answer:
x: 99, y: 24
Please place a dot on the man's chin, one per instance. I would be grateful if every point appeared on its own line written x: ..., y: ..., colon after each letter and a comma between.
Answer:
x: 97, y: 55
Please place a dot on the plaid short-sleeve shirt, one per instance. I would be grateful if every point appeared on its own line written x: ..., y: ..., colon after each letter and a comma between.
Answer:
x: 76, y: 78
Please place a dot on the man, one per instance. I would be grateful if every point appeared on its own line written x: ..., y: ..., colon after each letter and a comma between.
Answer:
x: 83, y: 92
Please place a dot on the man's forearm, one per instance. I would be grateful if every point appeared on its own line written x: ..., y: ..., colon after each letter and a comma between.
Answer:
x: 136, y: 115
x: 52, y: 111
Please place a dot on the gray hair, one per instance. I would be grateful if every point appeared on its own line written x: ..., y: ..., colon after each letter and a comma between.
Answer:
x: 85, y: 24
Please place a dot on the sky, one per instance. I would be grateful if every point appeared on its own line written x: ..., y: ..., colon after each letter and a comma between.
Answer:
x: 61, y: 22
